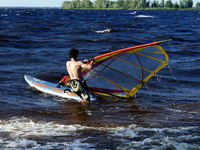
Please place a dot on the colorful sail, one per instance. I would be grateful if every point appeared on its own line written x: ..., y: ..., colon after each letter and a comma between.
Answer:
x: 121, y: 73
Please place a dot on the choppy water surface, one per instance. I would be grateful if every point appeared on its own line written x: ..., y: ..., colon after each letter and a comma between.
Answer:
x: 164, y: 114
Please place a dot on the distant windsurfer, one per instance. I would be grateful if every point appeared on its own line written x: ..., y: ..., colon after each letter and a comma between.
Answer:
x: 135, y: 13
x: 74, y: 68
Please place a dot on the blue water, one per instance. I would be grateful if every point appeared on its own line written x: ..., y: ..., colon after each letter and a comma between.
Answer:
x: 164, y: 114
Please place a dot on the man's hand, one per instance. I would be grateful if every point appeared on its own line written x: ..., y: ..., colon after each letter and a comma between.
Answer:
x: 86, y: 61
x: 92, y: 59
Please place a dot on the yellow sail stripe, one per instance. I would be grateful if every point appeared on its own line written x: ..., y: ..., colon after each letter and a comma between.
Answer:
x: 125, y: 89
x: 135, y: 89
x: 166, y: 56
x: 150, y: 52
x: 135, y: 65
x: 148, y: 77
x: 150, y: 57
x: 120, y: 72
x: 141, y: 50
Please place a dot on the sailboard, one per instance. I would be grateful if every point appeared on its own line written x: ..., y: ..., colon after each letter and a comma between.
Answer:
x: 122, y: 73
x: 51, y: 88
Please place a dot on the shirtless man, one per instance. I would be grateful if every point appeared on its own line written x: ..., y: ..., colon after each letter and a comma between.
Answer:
x: 74, y: 68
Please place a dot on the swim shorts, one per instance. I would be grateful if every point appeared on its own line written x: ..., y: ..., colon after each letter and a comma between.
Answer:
x: 80, y: 88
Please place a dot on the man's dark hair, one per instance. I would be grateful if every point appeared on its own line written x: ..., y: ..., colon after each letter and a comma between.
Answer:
x: 73, y: 53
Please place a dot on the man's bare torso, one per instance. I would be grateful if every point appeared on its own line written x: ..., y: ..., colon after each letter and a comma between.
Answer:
x: 74, y: 69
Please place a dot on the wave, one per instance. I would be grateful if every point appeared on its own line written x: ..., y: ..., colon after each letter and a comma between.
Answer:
x: 184, y: 52
x: 110, y: 30
x: 185, y: 39
x: 27, y: 133
x: 104, y: 31
x: 144, y: 16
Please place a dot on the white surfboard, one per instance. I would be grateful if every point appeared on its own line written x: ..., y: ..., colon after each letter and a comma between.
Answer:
x: 51, y: 88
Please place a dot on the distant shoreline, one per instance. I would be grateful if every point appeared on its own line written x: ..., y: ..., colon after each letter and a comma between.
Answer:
x: 189, y: 9
x: 193, y: 9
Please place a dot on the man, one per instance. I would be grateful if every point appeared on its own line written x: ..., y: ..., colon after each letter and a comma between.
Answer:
x: 135, y: 13
x: 74, y: 68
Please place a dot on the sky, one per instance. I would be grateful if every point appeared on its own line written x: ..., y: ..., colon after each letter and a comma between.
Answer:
x: 49, y: 3
x: 31, y: 3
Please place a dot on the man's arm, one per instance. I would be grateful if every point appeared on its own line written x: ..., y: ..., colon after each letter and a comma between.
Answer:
x: 87, y: 66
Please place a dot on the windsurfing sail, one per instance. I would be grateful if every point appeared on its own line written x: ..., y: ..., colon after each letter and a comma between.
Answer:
x: 121, y: 73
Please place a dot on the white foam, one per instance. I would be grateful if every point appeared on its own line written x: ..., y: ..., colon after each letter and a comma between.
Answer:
x: 103, y: 31
x: 20, y: 129
x: 144, y: 16
x: 22, y: 143
x: 180, y: 111
x: 25, y: 133
x: 24, y: 127
x: 5, y: 15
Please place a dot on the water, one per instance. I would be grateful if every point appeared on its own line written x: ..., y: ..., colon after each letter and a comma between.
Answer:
x: 163, y: 115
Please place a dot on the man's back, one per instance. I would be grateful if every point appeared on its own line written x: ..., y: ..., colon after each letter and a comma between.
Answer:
x: 74, y: 69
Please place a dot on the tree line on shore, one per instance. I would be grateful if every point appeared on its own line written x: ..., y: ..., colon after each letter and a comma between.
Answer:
x: 129, y: 4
